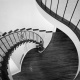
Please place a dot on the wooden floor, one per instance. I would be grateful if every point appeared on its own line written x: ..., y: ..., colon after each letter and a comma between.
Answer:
x: 58, y: 62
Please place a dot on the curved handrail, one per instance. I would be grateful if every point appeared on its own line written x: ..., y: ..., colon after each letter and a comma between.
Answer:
x: 71, y: 25
x: 10, y: 49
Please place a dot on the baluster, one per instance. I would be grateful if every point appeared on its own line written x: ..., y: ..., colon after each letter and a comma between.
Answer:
x: 4, y: 44
x: 77, y: 24
x: 17, y: 33
x: 22, y: 33
x: 57, y: 6
x: 65, y: 9
x: 5, y: 38
x: 50, y: 5
x: 10, y: 37
x: 14, y: 37
x: 7, y: 42
x: 73, y: 11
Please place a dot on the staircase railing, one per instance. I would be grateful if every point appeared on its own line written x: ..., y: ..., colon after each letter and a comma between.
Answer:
x: 69, y: 23
x: 10, y: 41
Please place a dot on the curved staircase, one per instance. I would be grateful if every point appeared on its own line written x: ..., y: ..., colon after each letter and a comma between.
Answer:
x: 10, y: 41
x: 59, y: 61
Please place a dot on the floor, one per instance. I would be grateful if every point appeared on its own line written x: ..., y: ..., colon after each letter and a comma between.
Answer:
x: 59, y: 61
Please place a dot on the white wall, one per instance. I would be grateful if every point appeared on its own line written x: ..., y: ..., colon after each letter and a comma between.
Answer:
x: 22, y: 13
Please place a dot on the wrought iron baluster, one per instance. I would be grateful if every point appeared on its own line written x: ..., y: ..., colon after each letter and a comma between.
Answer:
x: 7, y: 42
x: 4, y: 44
x: 65, y: 8
x: 18, y: 36
x: 74, y: 10
x: 17, y: 33
x: 21, y: 35
x: 77, y: 24
x: 50, y: 5
x: 57, y: 6
x: 14, y: 38
x: 11, y: 40
x: 4, y: 34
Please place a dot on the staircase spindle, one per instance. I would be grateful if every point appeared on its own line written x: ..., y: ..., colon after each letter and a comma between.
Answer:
x: 10, y: 32
x: 50, y: 5
x: 77, y: 24
x: 74, y: 11
x: 14, y: 38
x: 65, y: 9
x: 57, y: 7
x: 16, y: 31
x: 4, y: 44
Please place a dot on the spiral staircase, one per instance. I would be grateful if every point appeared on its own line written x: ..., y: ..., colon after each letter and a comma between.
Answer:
x: 10, y: 41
